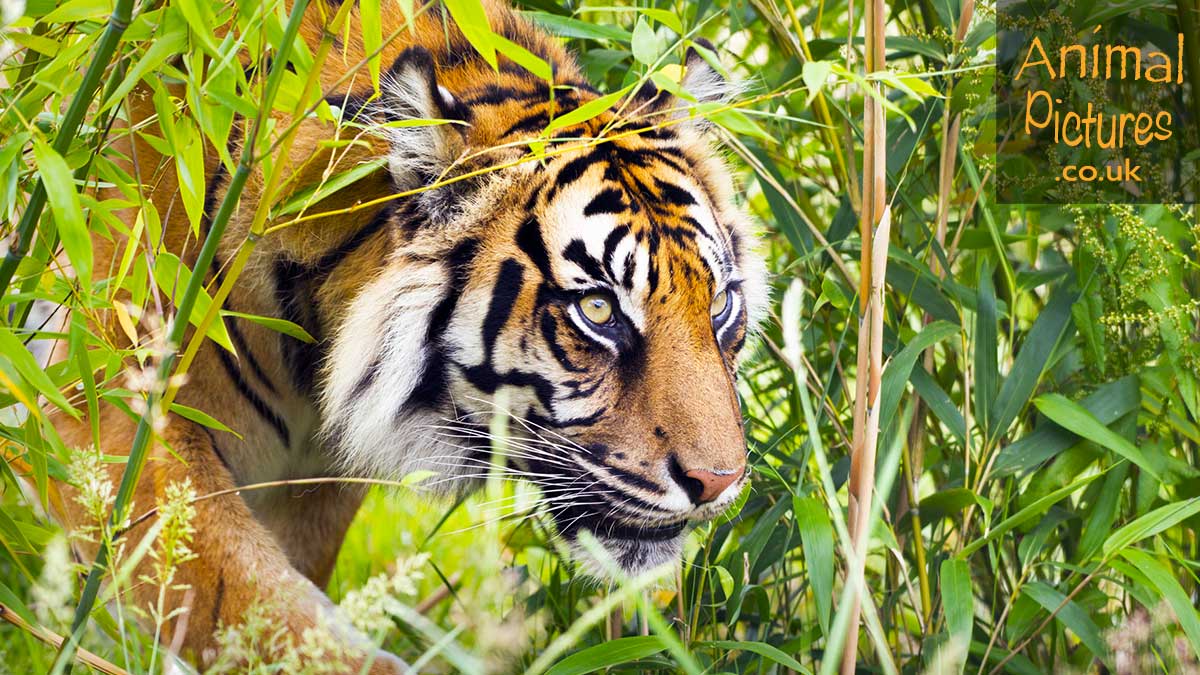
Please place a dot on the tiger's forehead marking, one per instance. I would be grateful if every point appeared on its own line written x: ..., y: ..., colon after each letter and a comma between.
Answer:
x: 631, y: 219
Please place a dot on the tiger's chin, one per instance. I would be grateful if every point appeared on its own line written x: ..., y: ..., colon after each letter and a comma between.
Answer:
x: 625, y: 550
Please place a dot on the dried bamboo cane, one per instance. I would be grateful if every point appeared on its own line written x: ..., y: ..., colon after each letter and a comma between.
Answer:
x: 875, y: 225
x: 55, y: 640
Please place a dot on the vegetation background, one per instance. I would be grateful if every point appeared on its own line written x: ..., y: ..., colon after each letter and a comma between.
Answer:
x: 1038, y: 498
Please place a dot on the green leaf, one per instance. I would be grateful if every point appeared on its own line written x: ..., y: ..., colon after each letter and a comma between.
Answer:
x: 958, y: 602
x: 1169, y: 588
x: 569, y: 27
x: 665, y: 17
x: 1108, y: 403
x: 1152, y: 523
x: 172, y: 277
x: 64, y: 204
x: 278, y: 325
x: 586, y: 111
x: 987, y: 373
x: 732, y: 119
x: 610, y: 653
x: 1031, y: 361
x: 948, y: 502
x: 202, y: 21
x: 472, y: 20
x: 316, y: 194
x: 1028, y: 513
x: 898, y: 369
x: 14, y: 352
x: 1073, y: 417
x: 166, y: 45
x: 535, y: 64
x: 816, y: 535
x: 1070, y: 615
x: 763, y: 649
x: 1104, y: 511
x: 816, y: 74
x: 13, y: 601
x: 372, y: 36
x: 645, y: 43
x: 200, y: 417
x: 189, y: 165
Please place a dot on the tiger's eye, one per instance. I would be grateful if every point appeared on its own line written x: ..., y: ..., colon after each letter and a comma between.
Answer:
x: 597, y: 308
x: 719, y: 303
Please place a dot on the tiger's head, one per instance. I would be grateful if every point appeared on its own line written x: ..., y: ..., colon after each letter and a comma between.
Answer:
x: 601, y: 294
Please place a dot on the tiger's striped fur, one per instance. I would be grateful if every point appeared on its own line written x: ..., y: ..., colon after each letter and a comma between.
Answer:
x: 431, y: 310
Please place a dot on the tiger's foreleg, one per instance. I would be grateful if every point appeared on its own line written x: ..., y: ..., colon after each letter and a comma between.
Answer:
x: 238, y: 569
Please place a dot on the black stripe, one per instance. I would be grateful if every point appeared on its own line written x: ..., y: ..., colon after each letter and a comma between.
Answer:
x: 573, y: 171
x: 529, y: 240
x: 550, y: 335
x: 534, y: 418
x: 243, y: 350
x: 235, y: 333
x: 504, y: 297
x: 610, y: 200
x: 611, y: 242
x: 218, y: 599
x: 212, y: 440
x: 295, y: 295
x: 673, y: 193
x: 576, y: 252
x: 368, y: 378
x: 534, y: 122
x: 260, y: 406
x: 633, y: 479
x: 431, y: 387
x: 329, y: 262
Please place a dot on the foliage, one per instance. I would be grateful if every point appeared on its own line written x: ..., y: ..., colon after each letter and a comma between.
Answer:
x: 1039, y: 499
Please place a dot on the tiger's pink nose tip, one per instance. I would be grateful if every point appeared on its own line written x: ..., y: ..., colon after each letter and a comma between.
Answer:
x: 713, y: 483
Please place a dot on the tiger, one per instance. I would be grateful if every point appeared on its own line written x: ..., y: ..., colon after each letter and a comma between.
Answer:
x: 599, y: 294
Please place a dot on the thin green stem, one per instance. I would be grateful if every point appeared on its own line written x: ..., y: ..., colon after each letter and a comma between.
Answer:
x: 118, y: 21
x: 141, y: 442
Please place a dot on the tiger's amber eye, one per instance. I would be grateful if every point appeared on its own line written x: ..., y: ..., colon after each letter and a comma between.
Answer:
x: 719, y: 303
x: 597, y: 308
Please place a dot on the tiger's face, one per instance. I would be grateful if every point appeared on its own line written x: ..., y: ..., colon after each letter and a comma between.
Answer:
x: 600, y: 297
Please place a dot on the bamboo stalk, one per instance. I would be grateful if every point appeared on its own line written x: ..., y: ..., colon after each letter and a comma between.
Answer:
x: 875, y: 226
x: 56, y: 640
x: 118, y: 21
x: 267, y: 197
x: 179, y: 325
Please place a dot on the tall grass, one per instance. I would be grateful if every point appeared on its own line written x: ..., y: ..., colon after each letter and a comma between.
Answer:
x: 975, y: 425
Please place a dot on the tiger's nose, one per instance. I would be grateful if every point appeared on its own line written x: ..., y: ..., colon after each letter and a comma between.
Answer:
x: 706, y: 485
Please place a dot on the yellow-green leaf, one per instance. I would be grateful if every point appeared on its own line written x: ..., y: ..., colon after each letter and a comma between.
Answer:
x: 473, y: 22
x: 68, y: 213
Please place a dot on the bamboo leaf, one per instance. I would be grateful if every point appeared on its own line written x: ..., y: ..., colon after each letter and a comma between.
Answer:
x: 278, y: 325
x: 1073, y: 417
x: 586, y: 111
x: 1070, y: 615
x: 68, y: 213
x: 472, y: 20
x: 958, y: 602
x: 1152, y: 523
x: 14, y: 352
x: 611, y: 653
x: 1035, y: 353
x: 172, y: 276
x: 816, y: 534
x: 1169, y: 588
x: 987, y: 373
x: 769, y: 652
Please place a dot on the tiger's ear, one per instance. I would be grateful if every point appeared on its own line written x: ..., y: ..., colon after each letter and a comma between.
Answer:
x: 419, y: 153
x: 700, y: 83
